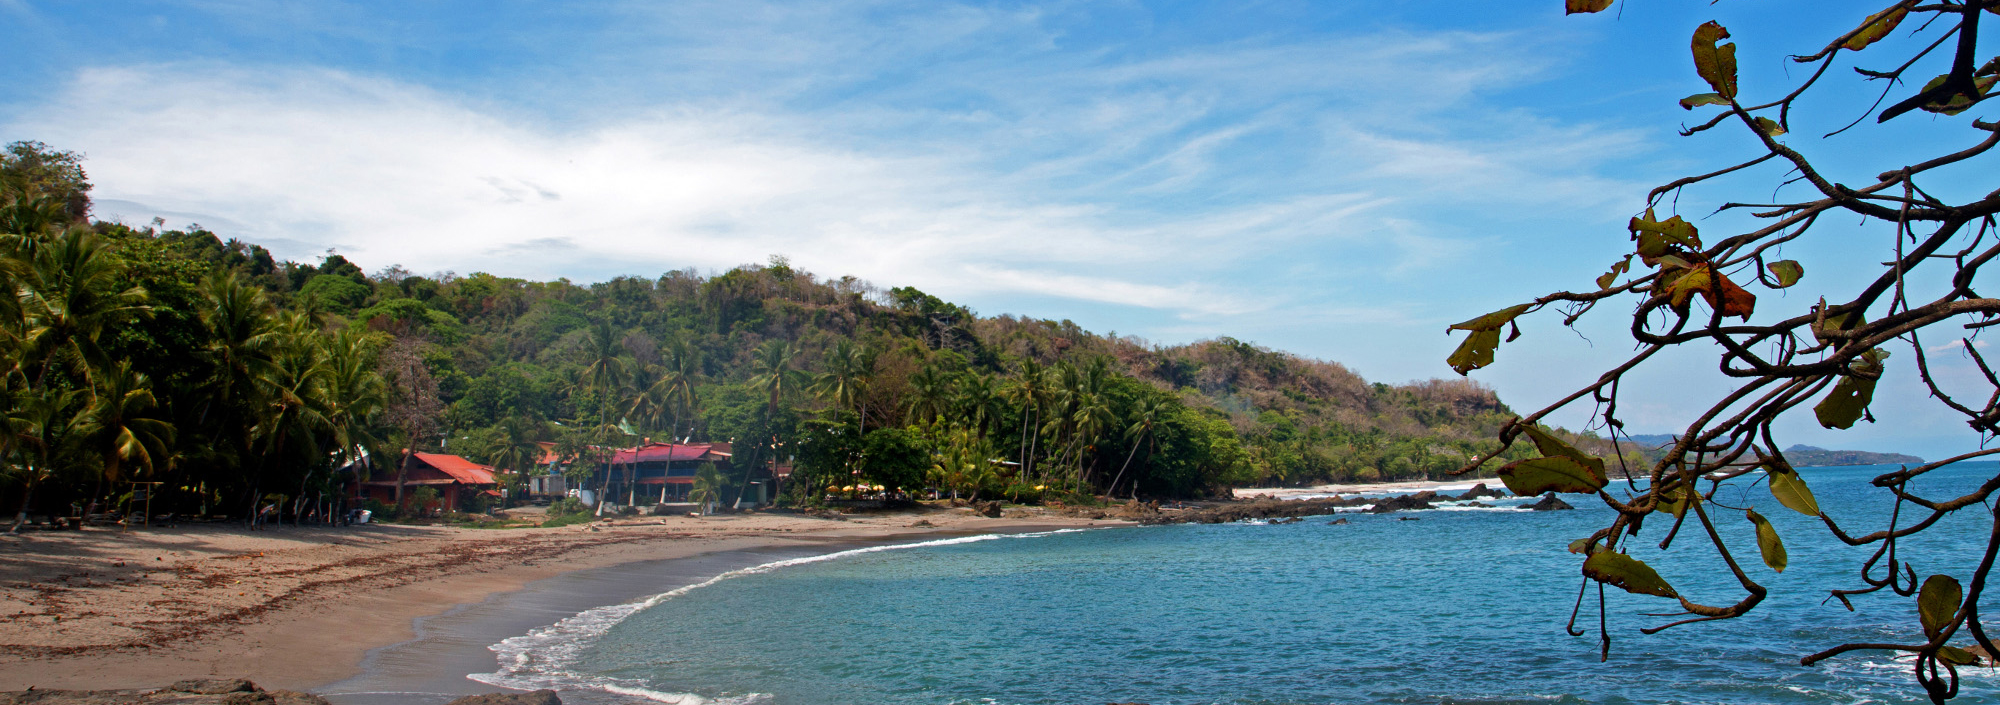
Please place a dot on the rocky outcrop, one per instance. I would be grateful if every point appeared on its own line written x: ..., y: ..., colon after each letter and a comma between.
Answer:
x: 539, y: 697
x: 987, y: 509
x: 1480, y: 491
x: 200, y: 691
x: 1138, y: 510
x: 1408, y: 502
x: 1257, y: 509
x: 1550, y: 502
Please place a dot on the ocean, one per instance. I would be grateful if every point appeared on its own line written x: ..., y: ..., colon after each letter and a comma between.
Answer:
x: 1451, y: 605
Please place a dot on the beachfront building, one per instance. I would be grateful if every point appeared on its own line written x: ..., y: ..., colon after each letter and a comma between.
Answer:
x: 658, y: 472
x: 457, y: 480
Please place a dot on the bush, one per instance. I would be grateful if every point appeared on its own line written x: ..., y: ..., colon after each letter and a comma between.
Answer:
x: 566, y: 506
x: 568, y: 519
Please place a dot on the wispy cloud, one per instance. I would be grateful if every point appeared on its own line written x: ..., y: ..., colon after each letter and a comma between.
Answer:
x: 1249, y: 186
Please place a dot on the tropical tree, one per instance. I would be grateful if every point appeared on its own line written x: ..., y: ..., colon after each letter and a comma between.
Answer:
x: 121, y: 424
x: 1143, y: 417
x: 1826, y: 352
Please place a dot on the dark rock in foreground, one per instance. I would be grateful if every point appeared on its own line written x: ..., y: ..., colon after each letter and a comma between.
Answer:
x: 539, y: 697
x: 1550, y: 503
x: 1256, y: 509
x: 200, y: 691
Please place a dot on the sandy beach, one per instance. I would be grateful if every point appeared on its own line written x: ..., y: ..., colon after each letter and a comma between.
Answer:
x: 299, y: 608
x: 1372, y: 488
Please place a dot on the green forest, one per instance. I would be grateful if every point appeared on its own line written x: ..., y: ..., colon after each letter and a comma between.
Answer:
x: 235, y: 380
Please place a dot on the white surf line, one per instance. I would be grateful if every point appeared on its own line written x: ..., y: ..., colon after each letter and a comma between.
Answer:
x: 545, y: 657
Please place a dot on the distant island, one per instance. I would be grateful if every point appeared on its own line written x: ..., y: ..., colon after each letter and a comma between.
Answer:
x: 1802, y: 455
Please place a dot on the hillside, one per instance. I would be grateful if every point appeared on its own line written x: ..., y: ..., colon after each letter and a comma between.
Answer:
x: 238, y: 379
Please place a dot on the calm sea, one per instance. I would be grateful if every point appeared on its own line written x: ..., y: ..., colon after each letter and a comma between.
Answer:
x: 1462, y: 605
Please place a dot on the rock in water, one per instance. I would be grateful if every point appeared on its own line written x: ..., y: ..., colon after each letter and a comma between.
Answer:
x: 1337, y: 522
x: 1402, y: 502
x: 1479, y: 491
x: 1550, y: 503
x: 539, y: 697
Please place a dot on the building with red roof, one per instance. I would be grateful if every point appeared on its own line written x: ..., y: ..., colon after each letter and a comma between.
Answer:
x: 456, y: 479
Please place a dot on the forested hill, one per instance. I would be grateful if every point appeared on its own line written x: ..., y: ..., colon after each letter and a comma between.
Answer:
x: 200, y: 361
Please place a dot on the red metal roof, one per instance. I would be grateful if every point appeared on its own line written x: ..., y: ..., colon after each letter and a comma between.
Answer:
x: 675, y: 480
x: 458, y: 468
x: 659, y: 452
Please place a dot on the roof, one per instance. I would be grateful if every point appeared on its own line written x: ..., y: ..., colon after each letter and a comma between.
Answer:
x: 661, y: 452
x: 458, y: 468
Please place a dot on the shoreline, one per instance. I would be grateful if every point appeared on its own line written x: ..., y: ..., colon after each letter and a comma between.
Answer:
x: 1371, y: 488
x: 309, y: 608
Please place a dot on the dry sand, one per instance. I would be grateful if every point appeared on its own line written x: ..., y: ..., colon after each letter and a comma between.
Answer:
x: 298, y: 608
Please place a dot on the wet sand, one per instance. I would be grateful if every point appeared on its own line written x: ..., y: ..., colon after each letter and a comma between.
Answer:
x: 302, y: 608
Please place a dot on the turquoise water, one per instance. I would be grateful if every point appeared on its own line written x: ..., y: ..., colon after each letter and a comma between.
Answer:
x: 1460, y: 606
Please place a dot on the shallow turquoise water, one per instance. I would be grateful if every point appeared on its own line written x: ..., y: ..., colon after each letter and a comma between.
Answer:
x: 1462, y: 606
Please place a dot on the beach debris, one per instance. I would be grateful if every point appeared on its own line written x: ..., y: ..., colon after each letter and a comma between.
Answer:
x: 539, y: 697
x: 987, y: 509
x: 196, y: 691
x: 921, y: 523
x: 1550, y: 502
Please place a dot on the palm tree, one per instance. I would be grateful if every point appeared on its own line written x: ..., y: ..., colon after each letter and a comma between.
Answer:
x: 930, y: 393
x: 71, y: 296
x: 1143, y: 419
x: 983, y: 404
x: 707, y: 487
x: 356, y: 396
x: 774, y: 375
x: 1031, y: 390
x: 46, y: 422
x: 119, y: 424
x: 604, y: 369
x: 845, y: 381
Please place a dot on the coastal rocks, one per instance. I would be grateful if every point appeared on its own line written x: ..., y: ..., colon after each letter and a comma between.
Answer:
x: 539, y: 697
x: 1479, y: 491
x: 1138, y: 510
x: 1293, y: 520
x: 202, y: 691
x: 1403, y: 502
x: 1550, y: 503
x: 987, y: 509
x: 1259, y: 509
x: 1338, y: 522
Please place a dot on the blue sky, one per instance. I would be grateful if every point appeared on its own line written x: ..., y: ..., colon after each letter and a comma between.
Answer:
x: 1336, y: 179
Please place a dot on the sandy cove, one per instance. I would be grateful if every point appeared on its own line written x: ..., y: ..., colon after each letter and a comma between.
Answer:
x: 298, y: 608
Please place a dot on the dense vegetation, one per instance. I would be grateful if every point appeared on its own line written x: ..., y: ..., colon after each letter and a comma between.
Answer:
x: 236, y: 380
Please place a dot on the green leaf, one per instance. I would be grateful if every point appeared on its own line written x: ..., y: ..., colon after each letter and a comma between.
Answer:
x: 1571, y: 7
x: 1837, y: 323
x: 1769, y: 126
x: 1791, y: 490
x: 1551, y: 446
x: 1578, y: 545
x: 1715, y: 64
x: 1475, y: 352
x: 1876, y: 27
x: 1626, y: 572
x: 1700, y: 99
x: 1672, y: 231
x: 1937, y: 603
x: 1620, y: 267
x: 1494, y: 320
x: 1845, y: 404
x: 1768, y: 542
x: 1787, y: 272
x: 1534, y: 476
x: 1676, y: 500
x: 1957, y: 656
x: 1959, y: 103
